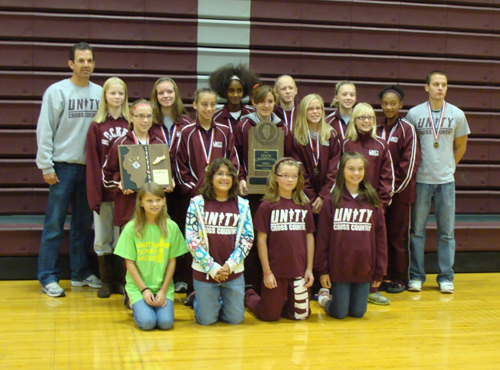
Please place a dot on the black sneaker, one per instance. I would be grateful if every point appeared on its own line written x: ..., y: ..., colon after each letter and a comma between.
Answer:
x: 189, y: 301
x: 395, y: 287
x: 383, y: 287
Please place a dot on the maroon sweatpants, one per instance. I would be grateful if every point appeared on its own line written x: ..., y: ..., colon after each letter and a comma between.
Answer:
x: 290, y: 299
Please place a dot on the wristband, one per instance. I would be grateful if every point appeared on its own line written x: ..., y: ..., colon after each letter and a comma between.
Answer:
x: 267, y: 273
x: 146, y: 288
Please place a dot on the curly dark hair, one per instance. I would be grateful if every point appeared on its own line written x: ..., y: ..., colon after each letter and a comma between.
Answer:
x: 221, y: 78
x: 207, y: 188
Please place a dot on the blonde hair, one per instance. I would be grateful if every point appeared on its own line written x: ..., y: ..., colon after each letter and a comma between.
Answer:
x: 335, y: 102
x: 139, y: 218
x: 177, y: 110
x: 102, y: 111
x: 301, y: 127
x: 273, y: 192
x: 359, y: 110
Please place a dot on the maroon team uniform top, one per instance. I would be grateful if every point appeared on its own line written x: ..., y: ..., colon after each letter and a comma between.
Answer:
x: 100, y: 140
x: 403, y: 145
x: 335, y: 120
x: 193, y: 149
x: 379, y: 171
x: 329, y: 156
x: 287, y: 116
x: 221, y: 222
x: 286, y: 225
x: 224, y: 117
x: 351, y: 243
x: 172, y: 136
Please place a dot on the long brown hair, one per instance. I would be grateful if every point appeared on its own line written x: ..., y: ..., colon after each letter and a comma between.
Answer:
x: 140, y: 215
x: 177, y: 109
x: 366, y: 191
x: 207, y: 188
x: 273, y: 193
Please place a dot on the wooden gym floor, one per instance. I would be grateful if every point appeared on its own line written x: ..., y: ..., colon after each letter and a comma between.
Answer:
x: 425, y: 330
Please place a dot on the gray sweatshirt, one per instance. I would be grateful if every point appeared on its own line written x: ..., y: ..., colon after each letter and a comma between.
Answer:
x: 65, y: 117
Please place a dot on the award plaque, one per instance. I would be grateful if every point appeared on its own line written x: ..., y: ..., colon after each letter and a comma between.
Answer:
x: 140, y: 164
x: 265, y: 147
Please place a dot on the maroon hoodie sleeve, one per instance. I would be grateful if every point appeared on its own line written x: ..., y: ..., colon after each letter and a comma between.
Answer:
x: 232, y: 154
x: 333, y: 164
x: 380, y: 246
x: 386, y: 182
x: 298, y: 153
x: 111, y: 171
x: 409, y: 161
x: 185, y: 179
x: 238, y: 140
x: 323, y: 236
x: 93, y: 169
x: 288, y: 147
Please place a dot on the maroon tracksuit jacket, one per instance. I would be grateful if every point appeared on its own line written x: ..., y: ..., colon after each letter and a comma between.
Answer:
x: 318, y: 185
x: 351, y: 244
x: 335, y: 120
x: 224, y: 117
x: 379, y: 171
x: 124, y: 204
x: 193, y: 150
x: 100, y: 139
x: 403, y: 145
x: 288, y: 117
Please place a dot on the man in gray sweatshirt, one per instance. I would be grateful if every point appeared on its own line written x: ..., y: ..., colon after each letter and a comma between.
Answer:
x: 68, y: 108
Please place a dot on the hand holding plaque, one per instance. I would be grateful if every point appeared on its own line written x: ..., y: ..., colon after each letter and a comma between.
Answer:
x: 265, y: 147
x: 140, y: 164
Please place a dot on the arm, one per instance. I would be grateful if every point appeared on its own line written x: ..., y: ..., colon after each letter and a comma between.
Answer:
x: 185, y: 179
x: 335, y: 153
x: 161, y: 296
x: 45, y: 131
x: 245, y: 240
x: 269, y: 279
x: 238, y: 141
x: 386, y: 180
x: 323, y: 236
x: 148, y: 296
x: 380, y: 246
x: 299, y: 155
x: 93, y: 167
x: 409, y: 161
x: 196, y: 243
x: 231, y: 153
x: 460, y: 146
x: 308, y: 275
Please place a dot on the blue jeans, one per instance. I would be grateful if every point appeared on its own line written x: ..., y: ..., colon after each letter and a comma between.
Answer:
x: 348, y: 298
x: 222, y: 301
x: 70, y: 190
x: 443, y: 197
x: 148, y: 317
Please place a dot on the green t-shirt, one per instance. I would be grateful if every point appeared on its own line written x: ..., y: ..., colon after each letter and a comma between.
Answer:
x: 151, y: 254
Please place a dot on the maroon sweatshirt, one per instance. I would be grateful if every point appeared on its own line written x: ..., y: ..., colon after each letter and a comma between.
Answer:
x: 335, y: 120
x: 124, y: 204
x: 403, y: 144
x: 223, y: 116
x: 288, y: 117
x: 173, y: 136
x: 379, y: 171
x: 241, y: 139
x: 100, y: 139
x: 351, y: 243
x: 192, y: 153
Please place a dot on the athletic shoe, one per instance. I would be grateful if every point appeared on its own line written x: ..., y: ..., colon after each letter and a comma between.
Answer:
x: 379, y: 299
x: 189, y: 301
x: 92, y: 281
x: 53, y: 290
x: 181, y: 287
x: 415, y: 286
x: 395, y: 287
x: 446, y: 287
x: 323, y: 296
x: 384, y: 285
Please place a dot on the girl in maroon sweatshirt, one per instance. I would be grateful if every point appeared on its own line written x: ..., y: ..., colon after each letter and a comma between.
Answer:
x: 141, y: 119
x: 351, y: 244
x: 401, y: 139
x: 233, y: 83
x: 344, y: 99
x: 110, y: 123
x: 285, y: 244
x: 316, y: 146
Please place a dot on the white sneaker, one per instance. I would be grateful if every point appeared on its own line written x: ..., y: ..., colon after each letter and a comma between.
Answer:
x: 415, y: 286
x: 92, y: 281
x: 323, y: 296
x: 53, y: 290
x: 181, y: 287
x: 446, y: 287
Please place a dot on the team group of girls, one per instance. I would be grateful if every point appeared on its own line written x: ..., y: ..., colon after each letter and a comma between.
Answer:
x: 336, y: 206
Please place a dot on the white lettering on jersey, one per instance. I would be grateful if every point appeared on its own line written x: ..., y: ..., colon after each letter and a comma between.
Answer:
x: 352, y: 219
x: 373, y: 152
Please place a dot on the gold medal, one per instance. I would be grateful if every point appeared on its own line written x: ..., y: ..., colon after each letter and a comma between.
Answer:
x: 436, y: 144
x: 316, y: 171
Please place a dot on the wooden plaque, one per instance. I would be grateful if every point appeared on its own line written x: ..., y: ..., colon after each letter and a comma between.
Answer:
x: 140, y: 164
x: 265, y: 147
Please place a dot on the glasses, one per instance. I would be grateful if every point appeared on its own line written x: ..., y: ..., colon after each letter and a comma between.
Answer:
x: 224, y: 174
x: 142, y: 116
x: 153, y: 201
x: 286, y: 176
x: 366, y: 118
x: 312, y: 109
